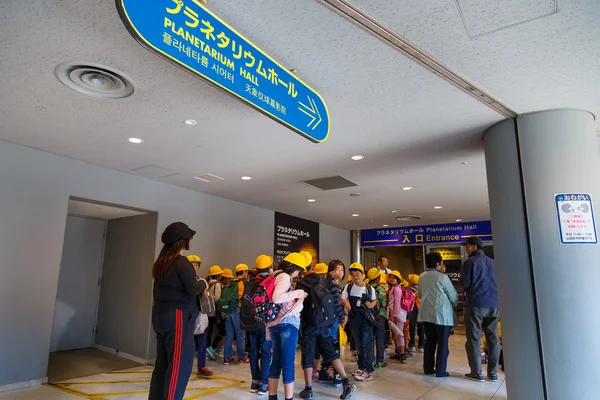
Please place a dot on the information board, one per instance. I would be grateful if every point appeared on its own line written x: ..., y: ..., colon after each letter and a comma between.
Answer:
x: 576, y: 218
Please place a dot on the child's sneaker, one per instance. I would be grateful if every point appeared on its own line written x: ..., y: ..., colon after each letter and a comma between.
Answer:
x: 264, y: 389
x: 367, y: 377
x: 227, y: 361
x: 358, y: 374
x: 413, y: 349
x: 315, y: 375
x: 254, y: 387
x: 211, y: 354
x: 307, y: 394
x: 349, y: 388
x: 242, y: 361
x: 204, y: 372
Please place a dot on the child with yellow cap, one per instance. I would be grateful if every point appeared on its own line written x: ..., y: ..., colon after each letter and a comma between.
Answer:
x: 416, y: 328
x: 374, y: 276
x: 396, y: 315
x: 215, y: 322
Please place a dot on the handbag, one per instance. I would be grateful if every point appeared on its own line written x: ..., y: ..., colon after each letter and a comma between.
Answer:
x: 201, y: 324
x: 207, y: 303
x: 369, y: 314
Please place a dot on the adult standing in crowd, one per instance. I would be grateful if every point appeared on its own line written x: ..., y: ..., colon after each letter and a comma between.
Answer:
x: 382, y: 265
x: 174, y: 312
x: 438, y: 297
x: 478, y: 280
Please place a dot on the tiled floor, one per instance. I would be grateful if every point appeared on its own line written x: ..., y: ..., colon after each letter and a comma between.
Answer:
x: 402, y: 382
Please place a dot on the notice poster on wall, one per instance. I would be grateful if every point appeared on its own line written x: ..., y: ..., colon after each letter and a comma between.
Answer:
x: 294, y: 234
x: 576, y: 218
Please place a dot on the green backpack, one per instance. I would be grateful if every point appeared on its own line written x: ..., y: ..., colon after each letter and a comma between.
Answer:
x: 229, y: 298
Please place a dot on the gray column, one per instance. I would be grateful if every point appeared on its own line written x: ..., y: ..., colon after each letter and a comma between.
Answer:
x: 356, y: 255
x: 549, y: 293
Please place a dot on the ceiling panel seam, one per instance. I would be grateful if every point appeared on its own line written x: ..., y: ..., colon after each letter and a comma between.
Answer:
x: 404, y: 46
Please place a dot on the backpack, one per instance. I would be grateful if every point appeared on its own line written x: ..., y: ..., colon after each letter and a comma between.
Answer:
x: 229, y: 298
x: 408, y: 300
x: 322, y: 306
x: 250, y: 317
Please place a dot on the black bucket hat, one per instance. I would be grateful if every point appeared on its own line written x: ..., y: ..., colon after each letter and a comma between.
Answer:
x: 175, y: 232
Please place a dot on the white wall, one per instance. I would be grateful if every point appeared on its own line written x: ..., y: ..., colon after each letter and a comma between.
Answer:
x: 34, y: 191
x: 334, y: 244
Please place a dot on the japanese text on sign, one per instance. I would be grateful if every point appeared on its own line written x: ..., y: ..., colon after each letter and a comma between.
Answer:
x: 426, y: 234
x: 185, y: 32
x: 576, y: 219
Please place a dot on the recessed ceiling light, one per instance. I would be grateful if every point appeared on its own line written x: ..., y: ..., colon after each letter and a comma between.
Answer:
x: 385, y: 226
x: 246, y: 178
x: 190, y: 122
x: 459, y: 220
x: 464, y: 162
x: 394, y: 211
x: 356, y: 215
x: 40, y: 108
x: 357, y: 157
x: 135, y: 140
x: 437, y: 207
x: 311, y: 200
x: 405, y: 188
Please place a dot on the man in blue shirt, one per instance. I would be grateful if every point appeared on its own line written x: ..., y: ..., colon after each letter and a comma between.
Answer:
x: 478, y: 280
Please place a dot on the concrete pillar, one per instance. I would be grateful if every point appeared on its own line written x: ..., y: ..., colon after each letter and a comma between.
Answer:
x: 549, y: 292
x: 356, y: 255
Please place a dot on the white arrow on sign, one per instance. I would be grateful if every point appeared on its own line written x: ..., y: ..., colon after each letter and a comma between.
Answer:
x: 312, y: 112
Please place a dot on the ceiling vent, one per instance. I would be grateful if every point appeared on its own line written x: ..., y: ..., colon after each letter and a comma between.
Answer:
x: 330, y: 183
x: 94, y: 80
x: 208, y: 178
x: 153, y: 172
x: 408, y: 217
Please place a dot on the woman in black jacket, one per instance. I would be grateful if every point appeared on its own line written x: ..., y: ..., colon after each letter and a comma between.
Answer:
x: 174, y: 313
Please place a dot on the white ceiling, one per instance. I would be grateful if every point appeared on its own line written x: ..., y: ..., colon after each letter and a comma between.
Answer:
x: 99, y: 211
x: 413, y: 128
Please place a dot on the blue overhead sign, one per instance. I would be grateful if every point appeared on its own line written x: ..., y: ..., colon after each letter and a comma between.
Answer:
x: 186, y: 33
x: 426, y: 234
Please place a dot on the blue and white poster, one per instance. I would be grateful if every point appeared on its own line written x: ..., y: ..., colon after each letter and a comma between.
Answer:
x: 576, y: 218
x: 426, y: 234
x: 187, y: 34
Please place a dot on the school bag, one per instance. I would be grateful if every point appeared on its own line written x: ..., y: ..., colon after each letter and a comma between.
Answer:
x: 322, y: 305
x: 229, y: 298
x: 251, y: 318
x: 207, y: 303
x: 408, y: 300
x: 264, y: 308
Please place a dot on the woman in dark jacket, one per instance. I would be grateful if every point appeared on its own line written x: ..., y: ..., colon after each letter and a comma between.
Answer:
x: 174, y: 313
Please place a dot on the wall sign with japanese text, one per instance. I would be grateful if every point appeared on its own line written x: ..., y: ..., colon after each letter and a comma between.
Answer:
x: 426, y: 234
x: 576, y: 218
x: 187, y: 34
x: 294, y: 234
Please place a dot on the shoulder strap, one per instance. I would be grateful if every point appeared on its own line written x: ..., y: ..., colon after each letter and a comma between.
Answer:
x: 349, y: 288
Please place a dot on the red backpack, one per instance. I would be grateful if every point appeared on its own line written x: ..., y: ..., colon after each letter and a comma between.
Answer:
x: 408, y: 300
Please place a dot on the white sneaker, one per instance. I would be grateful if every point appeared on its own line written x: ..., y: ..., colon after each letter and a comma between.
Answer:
x: 358, y: 374
x: 367, y: 377
x: 421, y: 350
x: 413, y: 349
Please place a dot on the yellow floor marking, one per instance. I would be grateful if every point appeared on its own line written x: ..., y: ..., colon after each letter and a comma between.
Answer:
x: 66, y: 387
x: 211, y: 391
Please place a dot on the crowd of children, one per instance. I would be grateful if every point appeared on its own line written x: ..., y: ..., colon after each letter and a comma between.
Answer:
x: 268, y: 314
